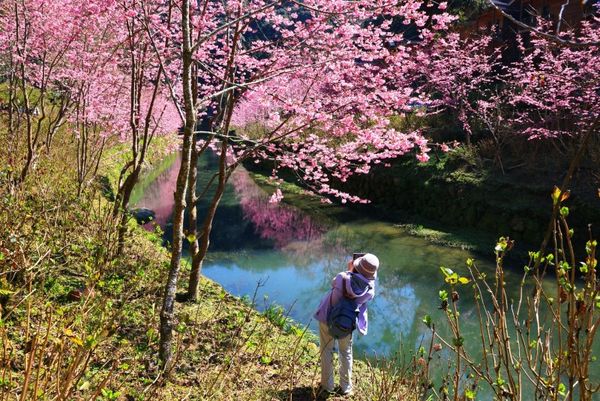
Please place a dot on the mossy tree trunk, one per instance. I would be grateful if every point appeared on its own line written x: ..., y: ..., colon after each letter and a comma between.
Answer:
x: 167, y: 311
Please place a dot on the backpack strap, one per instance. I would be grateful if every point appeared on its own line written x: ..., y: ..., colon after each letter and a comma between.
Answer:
x: 351, y: 274
x: 344, y: 290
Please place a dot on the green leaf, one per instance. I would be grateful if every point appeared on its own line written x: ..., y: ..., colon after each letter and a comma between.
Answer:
x: 427, y: 320
x: 589, y: 246
x: 458, y: 341
x: 564, y: 211
x: 452, y: 279
x: 446, y: 271
x: 562, y: 389
x: 266, y: 360
x: 502, y: 245
x: 443, y: 295
x: 470, y: 394
x: 559, y: 196
x: 464, y: 280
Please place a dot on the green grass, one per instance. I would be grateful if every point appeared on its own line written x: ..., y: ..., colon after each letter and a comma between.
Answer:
x: 98, y: 315
x: 117, y: 155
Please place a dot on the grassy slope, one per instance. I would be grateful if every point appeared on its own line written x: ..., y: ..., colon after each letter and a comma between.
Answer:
x: 78, y: 323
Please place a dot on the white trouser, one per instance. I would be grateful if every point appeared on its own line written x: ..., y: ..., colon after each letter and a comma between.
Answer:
x: 327, y: 343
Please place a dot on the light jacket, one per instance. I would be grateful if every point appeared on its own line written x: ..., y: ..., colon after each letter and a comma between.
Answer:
x: 358, y: 288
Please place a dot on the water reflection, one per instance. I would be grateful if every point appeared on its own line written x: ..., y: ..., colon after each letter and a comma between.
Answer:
x: 155, y: 191
x: 279, y: 223
x: 292, y: 259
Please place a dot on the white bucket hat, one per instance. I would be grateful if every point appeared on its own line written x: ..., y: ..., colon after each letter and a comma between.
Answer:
x: 367, y: 265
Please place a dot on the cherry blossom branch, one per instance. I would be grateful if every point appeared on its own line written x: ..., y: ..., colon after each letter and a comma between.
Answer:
x: 220, y: 28
x: 159, y: 57
x: 553, y: 38
x: 233, y: 85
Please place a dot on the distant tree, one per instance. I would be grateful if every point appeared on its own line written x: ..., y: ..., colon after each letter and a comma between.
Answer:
x: 57, y: 59
x: 147, y: 105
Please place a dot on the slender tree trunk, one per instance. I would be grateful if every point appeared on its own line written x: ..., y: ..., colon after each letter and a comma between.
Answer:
x: 139, y: 149
x: 204, y: 240
x: 123, y: 201
x: 167, y: 311
x: 30, y: 139
x: 193, y: 217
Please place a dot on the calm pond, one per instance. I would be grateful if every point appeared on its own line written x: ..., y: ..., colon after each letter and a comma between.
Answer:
x: 289, y: 259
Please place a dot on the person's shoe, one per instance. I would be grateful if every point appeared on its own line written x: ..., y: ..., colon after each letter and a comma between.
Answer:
x: 347, y: 393
x: 324, y: 393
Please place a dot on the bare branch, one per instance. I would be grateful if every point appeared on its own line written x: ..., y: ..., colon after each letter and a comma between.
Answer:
x: 553, y: 38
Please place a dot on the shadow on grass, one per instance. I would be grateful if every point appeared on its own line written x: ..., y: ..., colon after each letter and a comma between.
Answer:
x: 304, y: 393
x: 307, y: 393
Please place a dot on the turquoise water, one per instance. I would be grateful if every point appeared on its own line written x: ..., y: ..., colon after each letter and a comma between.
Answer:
x: 279, y: 255
x: 286, y: 258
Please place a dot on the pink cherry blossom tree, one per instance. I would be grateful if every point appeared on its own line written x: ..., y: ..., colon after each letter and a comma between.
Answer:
x: 149, y: 110
x: 458, y: 74
x: 49, y: 50
x: 557, y: 95
x: 332, y: 72
x: 557, y: 88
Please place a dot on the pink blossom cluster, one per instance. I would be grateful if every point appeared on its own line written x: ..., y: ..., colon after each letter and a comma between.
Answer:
x: 279, y: 223
x: 557, y: 88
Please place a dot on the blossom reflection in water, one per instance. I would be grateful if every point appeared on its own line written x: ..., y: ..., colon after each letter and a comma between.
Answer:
x: 282, y: 224
x: 159, y: 195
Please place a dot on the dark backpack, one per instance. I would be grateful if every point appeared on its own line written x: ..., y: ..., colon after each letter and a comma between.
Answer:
x: 342, y: 316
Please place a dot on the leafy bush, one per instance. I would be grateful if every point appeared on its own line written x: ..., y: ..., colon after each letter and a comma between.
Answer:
x: 538, y: 346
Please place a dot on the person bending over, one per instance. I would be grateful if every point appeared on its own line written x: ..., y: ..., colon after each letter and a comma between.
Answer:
x: 357, y: 285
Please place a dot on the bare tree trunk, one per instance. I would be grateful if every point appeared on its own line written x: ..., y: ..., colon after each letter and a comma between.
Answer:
x: 192, y: 231
x: 123, y: 200
x: 201, y: 248
x: 167, y: 311
x: 204, y: 240
x: 14, y: 137
x: 139, y: 147
x: 30, y: 139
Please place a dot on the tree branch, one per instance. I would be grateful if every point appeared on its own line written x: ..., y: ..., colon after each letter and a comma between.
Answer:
x: 553, y: 38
